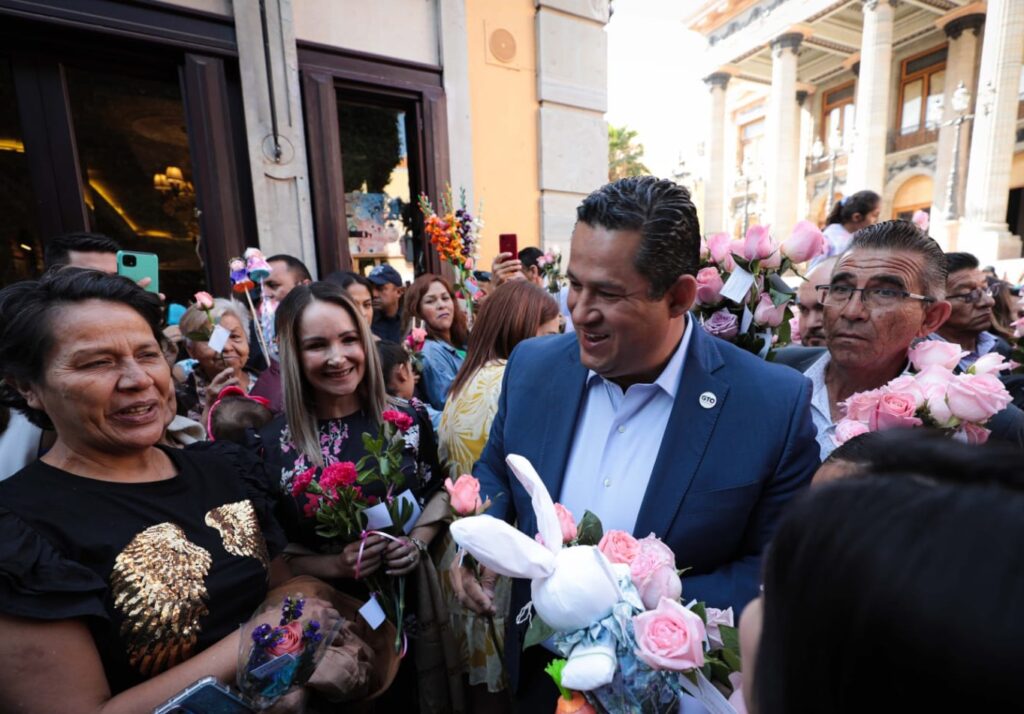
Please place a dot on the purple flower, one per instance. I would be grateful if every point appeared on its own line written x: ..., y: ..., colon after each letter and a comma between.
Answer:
x: 263, y: 636
x: 722, y: 324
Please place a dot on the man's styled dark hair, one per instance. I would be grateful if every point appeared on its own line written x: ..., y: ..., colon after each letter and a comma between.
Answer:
x: 956, y: 262
x: 905, y: 236
x: 857, y: 584
x: 663, y: 214
x: 296, y: 266
x: 528, y: 256
x: 26, y: 317
x: 57, y: 248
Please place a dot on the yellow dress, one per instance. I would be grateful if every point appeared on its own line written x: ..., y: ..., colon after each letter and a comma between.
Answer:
x: 465, y: 425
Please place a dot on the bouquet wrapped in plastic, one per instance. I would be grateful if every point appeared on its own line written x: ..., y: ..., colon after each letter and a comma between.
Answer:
x: 274, y: 659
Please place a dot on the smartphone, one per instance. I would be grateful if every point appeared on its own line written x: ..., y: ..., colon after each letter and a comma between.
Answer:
x: 507, y: 243
x: 207, y: 696
x: 137, y: 266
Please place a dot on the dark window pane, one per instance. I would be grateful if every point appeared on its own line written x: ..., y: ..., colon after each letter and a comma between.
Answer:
x: 929, y: 60
x: 136, y: 169
x: 838, y: 95
x: 379, y: 203
x: 21, y: 254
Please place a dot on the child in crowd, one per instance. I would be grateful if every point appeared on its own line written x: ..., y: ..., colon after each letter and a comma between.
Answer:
x: 400, y: 377
x: 234, y: 413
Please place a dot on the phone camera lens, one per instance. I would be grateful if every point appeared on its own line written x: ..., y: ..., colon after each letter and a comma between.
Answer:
x: 129, y: 261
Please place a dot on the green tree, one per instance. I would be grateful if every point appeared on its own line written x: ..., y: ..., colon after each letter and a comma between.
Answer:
x: 624, y: 154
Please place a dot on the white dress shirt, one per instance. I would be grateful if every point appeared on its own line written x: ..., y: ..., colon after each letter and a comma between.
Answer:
x: 616, y: 442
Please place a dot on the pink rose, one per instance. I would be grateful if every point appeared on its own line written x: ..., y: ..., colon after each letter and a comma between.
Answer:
x: 993, y: 362
x: 907, y: 384
x: 287, y: 639
x: 722, y: 324
x: 567, y: 522
x: 416, y: 338
x: 709, y: 284
x: 302, y: 481
x: 715, y: 618
x: 203, y: 300
x: 773, y: 261
x: 464, y: 493
x: 670, y: 637
x: 847, y: 429
x: 794, y: 329
x: 401, y: 420
x: 934, y: 352
x: 653, y: 571
x: 758, y: 243
x: 718, y: 247
x: 619, y: 547
x: 767, y: 313
x: 894, y: 411
x: 705, y: 252
x: 976, y: 397
x: 862, y: 405
x: 663, y: 583
x: 972, y: 434
x: 805, y: 243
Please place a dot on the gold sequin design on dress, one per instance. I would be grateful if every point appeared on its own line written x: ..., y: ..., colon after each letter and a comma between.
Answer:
x: 159, y: 587
x: 240, y: 530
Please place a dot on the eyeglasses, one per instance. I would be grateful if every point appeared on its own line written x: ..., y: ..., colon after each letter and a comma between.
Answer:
x: 975, y: 295
x: 873, y: 298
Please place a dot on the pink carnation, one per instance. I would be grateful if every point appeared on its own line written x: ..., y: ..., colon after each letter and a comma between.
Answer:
x: 302, y: 481
x: 338, y: 476
x: 401, y: 420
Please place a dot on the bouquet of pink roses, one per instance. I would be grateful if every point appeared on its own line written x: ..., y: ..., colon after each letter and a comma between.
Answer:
x: 741, y: 296
x: 934, y: 396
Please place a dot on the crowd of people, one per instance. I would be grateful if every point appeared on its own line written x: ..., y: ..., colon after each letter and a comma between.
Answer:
x: 152, y: 494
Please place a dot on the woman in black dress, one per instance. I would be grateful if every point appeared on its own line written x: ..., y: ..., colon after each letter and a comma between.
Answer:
x: 125, y: 567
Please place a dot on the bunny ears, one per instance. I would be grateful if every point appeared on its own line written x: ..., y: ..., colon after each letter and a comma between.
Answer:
x: 504, y: 549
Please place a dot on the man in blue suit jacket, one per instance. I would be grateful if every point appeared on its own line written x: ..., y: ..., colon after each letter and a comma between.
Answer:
x: 642, y: 417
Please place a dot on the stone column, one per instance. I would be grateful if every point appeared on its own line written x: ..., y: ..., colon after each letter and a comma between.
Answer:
x: 867, y: 157
x: 984, y: 231
x: 714, y: 186
x: 280, y: 180
x: 780, y: 169
x: 963, y: 32
x: 805, y: 140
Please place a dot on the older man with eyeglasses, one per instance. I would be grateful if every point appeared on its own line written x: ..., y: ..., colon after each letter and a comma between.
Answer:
x: 970, y: 320
x: 887, y: 291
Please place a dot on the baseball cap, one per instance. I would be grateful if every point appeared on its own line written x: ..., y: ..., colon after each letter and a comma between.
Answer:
x: 384, y: 274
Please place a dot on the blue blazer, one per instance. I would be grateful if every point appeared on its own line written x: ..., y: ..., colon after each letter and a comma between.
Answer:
x: 721, y: 478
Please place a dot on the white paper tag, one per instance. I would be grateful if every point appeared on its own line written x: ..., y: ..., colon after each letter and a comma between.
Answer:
x: 416, y: 511
x: 377, y: 517
x: 372, y: 612
x: 748, y: 317
x: 737, y: 286
x: 218, y: 339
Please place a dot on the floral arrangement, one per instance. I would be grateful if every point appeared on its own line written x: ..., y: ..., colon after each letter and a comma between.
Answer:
x: 612, y: 605
x: 935, y: 396
x: 274, y: 659
x: 413, y: 344
x: 550, y: 266
x: 344, y: 512
x: 245, y: 276
x: 741, y: 296
x: 454, y: 232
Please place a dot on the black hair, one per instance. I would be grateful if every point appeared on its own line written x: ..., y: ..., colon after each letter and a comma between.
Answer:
x: 862, y: 202
x: 295, y: 265
x: 956, y: 262
x: 344, y: 278
x: 905, y: 236
x: 860, y: 449
x: 873, y: 589
x: 665, y: 217
x: 234, y: 415
x: 528, y: 256
x: 26, y: 316
x: 56, y: 251
x: 392, y: 355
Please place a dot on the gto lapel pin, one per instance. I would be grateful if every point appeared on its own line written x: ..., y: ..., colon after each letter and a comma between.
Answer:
x: 708, y: 400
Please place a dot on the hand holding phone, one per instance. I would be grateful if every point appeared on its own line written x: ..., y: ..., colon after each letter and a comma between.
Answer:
x: 207, y: 696
x: 139, y: 267
x: 508, y: 243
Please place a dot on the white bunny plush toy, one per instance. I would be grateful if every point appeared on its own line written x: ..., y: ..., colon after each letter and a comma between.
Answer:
x: 572, y: 588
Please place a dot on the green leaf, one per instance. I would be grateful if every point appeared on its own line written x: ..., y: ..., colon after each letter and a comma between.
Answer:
x: 198, y: 336
x: 699, y: 609
x: 730, y: 637
x: 779, y: 297
x: 719, y: 671
x: 539, y: 631
x: 589, y: 531
x: 554, y: 670
x: 731, y: 659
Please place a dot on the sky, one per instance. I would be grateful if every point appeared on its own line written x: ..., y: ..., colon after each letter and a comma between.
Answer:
x: 651, y: 85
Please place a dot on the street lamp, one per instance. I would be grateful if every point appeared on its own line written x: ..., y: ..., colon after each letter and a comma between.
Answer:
x: 960, y: 102
x: 747, y: 177
x: 818, y: 152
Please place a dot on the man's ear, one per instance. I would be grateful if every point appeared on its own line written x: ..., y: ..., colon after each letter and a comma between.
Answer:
x: 935, y: 315
x: 682, y: 295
